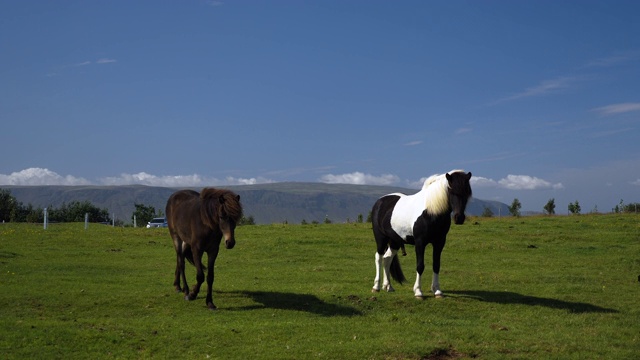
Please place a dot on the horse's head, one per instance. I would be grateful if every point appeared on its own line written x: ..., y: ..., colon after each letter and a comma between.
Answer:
x: 228, y: 217
x: 459, y: 194
x: 224, y: 212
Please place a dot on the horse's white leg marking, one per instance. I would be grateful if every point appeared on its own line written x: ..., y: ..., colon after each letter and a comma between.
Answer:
x: 387, y: 258
x: 417, y: 288
x: 435, y: 285
x: 376, y: 281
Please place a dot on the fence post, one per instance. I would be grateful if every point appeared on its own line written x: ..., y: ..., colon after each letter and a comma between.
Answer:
x: 45, y: 218
x: 86, y: 220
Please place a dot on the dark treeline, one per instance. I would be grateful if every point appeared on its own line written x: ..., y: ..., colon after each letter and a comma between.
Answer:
x: 15, y: 211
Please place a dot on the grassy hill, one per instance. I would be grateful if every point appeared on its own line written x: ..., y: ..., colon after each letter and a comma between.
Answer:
x: 289, y: 202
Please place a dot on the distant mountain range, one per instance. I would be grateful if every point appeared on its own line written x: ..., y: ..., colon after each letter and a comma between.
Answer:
x: 290, y: 202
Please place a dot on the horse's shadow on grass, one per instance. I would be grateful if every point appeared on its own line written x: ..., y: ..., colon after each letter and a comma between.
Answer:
x: 505, y: 297
x: 291, y: 301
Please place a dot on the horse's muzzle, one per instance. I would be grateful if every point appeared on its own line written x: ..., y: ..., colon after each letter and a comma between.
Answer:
x: 229, y: 244
x: 458, y: 219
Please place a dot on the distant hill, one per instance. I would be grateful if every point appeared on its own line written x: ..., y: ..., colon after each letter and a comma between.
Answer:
x: 267, y: 203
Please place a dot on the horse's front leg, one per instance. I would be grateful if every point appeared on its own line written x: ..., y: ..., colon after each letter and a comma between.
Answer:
x: 417, y: 287
x: 435, y: 283
x: 210, y: 276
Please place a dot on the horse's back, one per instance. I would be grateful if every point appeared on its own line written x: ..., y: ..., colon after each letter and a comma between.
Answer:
x: 182, y: 195
x: 382, y: 210
x: 180, y: 207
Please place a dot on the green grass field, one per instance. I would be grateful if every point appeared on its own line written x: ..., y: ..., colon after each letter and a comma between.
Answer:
x: 528, y: 288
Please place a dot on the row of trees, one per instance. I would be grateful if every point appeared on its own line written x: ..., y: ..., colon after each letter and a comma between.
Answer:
x: 15, y: 211
x: 573, y: 208
x: 12, y: 210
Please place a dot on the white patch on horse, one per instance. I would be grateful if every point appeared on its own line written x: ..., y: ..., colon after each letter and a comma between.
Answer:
x: 185, y: 246
x: 417, y: 287
x: 434, y: 197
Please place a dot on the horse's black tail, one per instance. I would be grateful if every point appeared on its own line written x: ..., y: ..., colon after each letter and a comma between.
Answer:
x: 188, y: 254
x: 396, y: 270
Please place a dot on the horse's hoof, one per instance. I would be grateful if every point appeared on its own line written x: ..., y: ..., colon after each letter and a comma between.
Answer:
x: 439, y: 294
x: 211, y: 306
x: 374, y: 290
x: 419, y: 297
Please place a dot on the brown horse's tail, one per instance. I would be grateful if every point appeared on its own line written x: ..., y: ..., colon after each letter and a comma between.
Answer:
x: 396, y: 270
x: 188, y: 254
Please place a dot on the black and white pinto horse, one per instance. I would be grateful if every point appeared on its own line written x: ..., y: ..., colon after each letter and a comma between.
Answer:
x: 418, y: 219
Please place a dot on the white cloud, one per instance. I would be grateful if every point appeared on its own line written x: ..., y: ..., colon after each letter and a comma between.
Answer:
x: 39, y: 176
x: 602, y: 134
x: 613, y: 60
x: 242, y: 181
x: 637, y: 182
x: 194, y: 180
x: 105, y: 61
x: 617, y: 108
x: 463, y: 130
x: 543, y: 88
x: 515, y: 182
x: 526, y: 182
x: 359, y: 178
x: 480, y: 181
x: 58, y: 70
x: 142, y: 178
x: 413, y: 143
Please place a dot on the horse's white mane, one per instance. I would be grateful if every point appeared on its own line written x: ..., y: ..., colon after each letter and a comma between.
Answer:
x: 436, y: 193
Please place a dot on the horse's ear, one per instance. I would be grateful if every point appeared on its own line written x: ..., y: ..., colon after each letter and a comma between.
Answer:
x: 448, y: 177
x: 238, y: 197
x: 469, y: 175
x: 221, y: 200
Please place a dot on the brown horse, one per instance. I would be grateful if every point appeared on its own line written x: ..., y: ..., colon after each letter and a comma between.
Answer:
x: 197, y: 223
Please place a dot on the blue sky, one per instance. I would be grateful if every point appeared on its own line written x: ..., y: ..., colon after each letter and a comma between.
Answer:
x: 538, y: 99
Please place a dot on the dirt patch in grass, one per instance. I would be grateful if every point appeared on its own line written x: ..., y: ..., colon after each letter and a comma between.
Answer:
x: 444, y: 354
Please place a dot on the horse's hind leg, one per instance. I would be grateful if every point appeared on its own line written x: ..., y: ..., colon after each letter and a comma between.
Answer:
x: 178, y: 244
x: 383, y: 264
x: 176, y: 281
x: 387, y: 258
x: 376, y: 281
